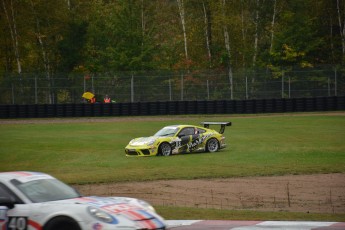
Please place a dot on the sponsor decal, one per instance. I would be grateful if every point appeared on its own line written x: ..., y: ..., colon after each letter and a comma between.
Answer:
x: 99, y: 202
x: 142, y: 218
x: 85, y: 199
x: 176, y: 143
x: 17, y: 223
x: 18, y: 173
x: 3, y: 212
x: 26, y: 177
x: 117, y: 208
x: 195, y: 143
x: 3, y: 218
x: 97, y: 226
x: 35, y: 225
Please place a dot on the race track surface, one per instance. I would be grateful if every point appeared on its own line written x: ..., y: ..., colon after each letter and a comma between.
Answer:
x: 252, y: 225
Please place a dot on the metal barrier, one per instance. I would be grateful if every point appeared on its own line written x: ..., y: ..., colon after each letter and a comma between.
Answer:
x: 174, y: 108
x: 146, y: 86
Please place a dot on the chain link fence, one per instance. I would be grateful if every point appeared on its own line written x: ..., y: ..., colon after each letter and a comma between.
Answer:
x: 37, y: 88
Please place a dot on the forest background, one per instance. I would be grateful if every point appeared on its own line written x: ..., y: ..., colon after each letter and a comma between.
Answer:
x: 68, y: 37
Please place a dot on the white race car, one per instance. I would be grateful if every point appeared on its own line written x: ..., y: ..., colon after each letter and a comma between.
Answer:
x: 34, y: 200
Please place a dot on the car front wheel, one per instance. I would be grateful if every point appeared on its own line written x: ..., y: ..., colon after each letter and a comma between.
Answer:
x: 62, y: 223
x: 164, y: 149
x: 212, y: 145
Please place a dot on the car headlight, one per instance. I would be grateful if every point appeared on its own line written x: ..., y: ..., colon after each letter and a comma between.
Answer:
x: 146, y: 205
x: 151, y: 142
x: 101, y: 215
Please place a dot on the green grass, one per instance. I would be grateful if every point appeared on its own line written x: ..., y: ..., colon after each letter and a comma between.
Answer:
x: 184, y: 213
x: 94, y: 152
x: 87, y: 152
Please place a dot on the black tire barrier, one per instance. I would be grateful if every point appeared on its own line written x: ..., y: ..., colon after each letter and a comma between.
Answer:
x: 340, y: 103
x: 79, y: 110
x: 163, y: 108
x: 289, y: 106
x: 153, y: 108
x: 174, y: 108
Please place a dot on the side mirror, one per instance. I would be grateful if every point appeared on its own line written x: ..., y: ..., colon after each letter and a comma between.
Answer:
x: 7, y: 201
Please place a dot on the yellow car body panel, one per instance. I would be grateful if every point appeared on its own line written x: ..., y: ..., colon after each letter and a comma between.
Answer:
x: 177, y: 139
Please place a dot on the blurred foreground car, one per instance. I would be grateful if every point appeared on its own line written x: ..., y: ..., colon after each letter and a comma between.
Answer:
x: 176, y: 139
x: 32, y: 200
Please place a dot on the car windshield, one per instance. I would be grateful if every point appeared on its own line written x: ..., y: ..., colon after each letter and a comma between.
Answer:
x: 45, y: 190
x: 168, y: 131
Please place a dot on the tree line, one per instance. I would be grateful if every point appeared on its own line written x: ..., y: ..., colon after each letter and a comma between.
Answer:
x: 81, y: 36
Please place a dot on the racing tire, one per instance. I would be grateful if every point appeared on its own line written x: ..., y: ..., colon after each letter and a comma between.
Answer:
x: 164, y: 149
x: 62, y: 223
x: 212, y: 145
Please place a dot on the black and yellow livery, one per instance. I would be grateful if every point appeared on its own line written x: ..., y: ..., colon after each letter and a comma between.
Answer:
x: 175, y: 139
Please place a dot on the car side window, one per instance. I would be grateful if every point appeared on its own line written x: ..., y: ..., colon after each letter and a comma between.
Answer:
x: 187, y: 131
x: 6, y: 192
x: 201, y: 130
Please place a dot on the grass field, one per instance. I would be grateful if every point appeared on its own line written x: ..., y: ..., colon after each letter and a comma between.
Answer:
x: 183, y: 213
x: 94, y: 151
x: 89, y: 151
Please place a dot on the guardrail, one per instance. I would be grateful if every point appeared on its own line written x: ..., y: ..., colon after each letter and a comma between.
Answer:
x: 174, y: 108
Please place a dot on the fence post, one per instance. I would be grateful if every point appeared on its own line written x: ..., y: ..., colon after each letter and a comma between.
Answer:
x: 13, y: 101
x: 335, y: 82
x: 246, y: 87
x: 231, y: 83
x: 289, y: 87
x: 170, y: 90
x: 181, y: 87
x: 132, y: 89
x: 36, y: 100
x: 93, y: 89
x: 84, y: 80
x: 329, y: 86
x: 283, y: 84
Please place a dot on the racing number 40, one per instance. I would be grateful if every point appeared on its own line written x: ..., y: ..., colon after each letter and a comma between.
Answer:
x: 17, y: 223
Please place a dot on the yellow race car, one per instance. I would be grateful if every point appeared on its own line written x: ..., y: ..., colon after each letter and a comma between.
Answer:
x: 175, y: 139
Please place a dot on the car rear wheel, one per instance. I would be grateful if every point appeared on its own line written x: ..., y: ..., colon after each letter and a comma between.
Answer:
x: 164, y: 149
x: 212, y: 145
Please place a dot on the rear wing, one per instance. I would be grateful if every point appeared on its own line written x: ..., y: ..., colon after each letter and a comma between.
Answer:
x: 222, y: 125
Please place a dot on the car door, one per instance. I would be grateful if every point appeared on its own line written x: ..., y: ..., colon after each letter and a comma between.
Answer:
x: 3, y: 217
x: 13, y: 218
x: 188, y: 136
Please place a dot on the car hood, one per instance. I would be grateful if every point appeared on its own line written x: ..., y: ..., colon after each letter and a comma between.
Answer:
x: 113, y: 205
x: 131, y: 209
x: 143, y: 141
x: 100, y: 202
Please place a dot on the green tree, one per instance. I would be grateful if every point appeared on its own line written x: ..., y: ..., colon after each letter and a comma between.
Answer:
x: 297, y: 37
x: 117, y: 39
x: 72, y: 47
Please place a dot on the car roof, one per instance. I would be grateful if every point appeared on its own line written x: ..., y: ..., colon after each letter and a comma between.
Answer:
x: 7, y: 176
x: 172, y: 126
x: 181, y: 126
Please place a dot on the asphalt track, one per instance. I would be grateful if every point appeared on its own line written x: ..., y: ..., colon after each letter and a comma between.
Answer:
x: 252, y: 225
